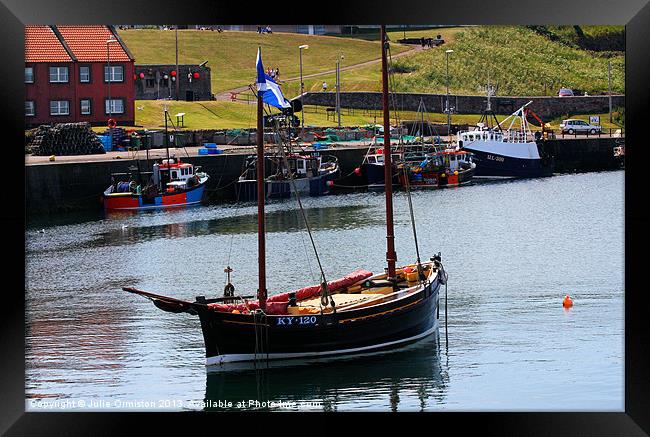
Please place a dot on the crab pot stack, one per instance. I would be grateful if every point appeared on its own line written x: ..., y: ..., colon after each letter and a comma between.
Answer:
x: 119, y: 135
x: 66, y: 139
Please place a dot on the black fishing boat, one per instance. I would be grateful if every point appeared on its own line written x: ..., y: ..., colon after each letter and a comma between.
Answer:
x: 312, y: 172
x: 360, y: 312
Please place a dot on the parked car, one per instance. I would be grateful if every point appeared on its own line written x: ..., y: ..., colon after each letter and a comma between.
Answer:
x: 573, y: 126
x: 565, y: 92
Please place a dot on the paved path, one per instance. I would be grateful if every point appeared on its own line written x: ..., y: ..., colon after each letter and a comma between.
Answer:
x: 230, y: 149
x: 226, y: 95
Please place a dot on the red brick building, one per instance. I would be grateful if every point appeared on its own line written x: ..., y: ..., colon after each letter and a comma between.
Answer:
x: 67, y: 72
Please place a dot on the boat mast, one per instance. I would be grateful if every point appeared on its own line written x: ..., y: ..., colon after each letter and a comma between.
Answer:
x: 391, y: 256
x: 261, y: 243
x: 167, y: 142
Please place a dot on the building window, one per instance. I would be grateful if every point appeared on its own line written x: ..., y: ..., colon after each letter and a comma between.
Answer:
x: 29, y: 108
x: 85, y: 107
x: 58, y: 74
x: 84, y: 74
x: 29, y: 74
x: 115, y: 73
x: 115, y: 106
x: 59, y: 107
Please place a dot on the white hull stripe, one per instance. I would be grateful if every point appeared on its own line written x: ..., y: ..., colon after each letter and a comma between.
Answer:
x: 231, y: 358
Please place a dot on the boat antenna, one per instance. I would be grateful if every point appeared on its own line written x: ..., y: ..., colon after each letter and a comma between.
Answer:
x: 391, y: 255
x: 261, y: 243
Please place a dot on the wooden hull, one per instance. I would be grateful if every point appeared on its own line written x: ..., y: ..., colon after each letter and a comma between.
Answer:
x: 130, y: 201
x: 239, y: 338
x: 436, y: 179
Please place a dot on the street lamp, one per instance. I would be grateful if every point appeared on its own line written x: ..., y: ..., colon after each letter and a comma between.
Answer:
x: 447, y: 109
x: 302, y: 87
x: 108, y: 61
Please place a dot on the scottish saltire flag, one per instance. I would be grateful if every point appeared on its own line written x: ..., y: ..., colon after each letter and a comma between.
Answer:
x: 270, y: 91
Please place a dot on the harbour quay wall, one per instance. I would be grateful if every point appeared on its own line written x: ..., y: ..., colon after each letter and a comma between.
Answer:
x: 574, y: 155
x: 546, y: 107
x: 77, y: 186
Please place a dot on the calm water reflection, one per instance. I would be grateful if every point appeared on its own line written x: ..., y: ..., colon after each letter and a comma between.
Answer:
x: 512, y: 251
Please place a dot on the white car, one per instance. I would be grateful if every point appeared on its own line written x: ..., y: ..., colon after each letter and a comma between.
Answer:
x: 573, y: 126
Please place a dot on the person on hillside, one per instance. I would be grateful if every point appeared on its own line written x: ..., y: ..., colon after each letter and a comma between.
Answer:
x: 277, y: 73
x: 324, y: 86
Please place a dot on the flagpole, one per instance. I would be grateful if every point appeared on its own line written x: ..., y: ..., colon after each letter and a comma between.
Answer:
x: 261, y: 242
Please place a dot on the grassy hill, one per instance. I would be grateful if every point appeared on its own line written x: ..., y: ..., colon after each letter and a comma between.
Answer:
x: 522, y: 60
x: 596, y: 38
x: 519, y: 59
x: 231, y: 55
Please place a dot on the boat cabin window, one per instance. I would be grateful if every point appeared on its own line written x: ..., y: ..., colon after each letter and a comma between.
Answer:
x: 372, y: 160
x: 471, y: 137
x: 174, y: 174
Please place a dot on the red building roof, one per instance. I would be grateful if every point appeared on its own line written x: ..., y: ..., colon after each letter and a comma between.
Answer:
x: 88, y: 43
x: 42, y: 45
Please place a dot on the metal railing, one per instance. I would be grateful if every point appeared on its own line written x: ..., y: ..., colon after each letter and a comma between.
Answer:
x: 607, y: 133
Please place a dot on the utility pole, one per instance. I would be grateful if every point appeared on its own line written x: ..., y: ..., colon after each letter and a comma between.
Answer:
x: 302, y: 90
x: 177, y: 72
x: 338, y: 89
x: 447, y: 108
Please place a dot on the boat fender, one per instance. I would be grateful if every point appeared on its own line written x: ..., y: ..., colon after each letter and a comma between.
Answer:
x: 276, y: 308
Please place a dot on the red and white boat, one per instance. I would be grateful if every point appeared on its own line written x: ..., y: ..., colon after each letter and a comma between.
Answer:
x: 172, y: 183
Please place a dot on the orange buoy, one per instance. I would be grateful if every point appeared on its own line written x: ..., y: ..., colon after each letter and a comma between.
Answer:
x: 567, y: 302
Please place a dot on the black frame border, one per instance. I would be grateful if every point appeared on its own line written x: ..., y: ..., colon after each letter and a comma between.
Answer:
x: 635, y: 14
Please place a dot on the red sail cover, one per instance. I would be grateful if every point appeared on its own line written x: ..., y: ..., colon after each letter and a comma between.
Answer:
x: 314, y: 290
x: 277, y: 304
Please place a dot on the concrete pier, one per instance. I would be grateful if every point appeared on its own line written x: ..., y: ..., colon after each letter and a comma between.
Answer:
x: 74, y: 183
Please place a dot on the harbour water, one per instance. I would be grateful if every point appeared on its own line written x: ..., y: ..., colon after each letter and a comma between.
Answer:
x: 512, y: 249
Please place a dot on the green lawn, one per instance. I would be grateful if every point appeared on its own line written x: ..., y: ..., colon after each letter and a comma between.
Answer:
x: 231, y: 55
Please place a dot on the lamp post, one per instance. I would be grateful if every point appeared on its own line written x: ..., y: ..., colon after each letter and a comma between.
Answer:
x: 338, y: 87
x: 447, y: 109
x: 108, y: 62
x: 609, y: 81
x: 302, y: 88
